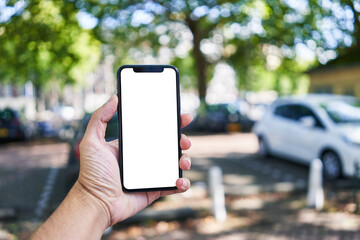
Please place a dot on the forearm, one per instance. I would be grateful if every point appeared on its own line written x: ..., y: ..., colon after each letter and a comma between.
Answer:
x: 80, y: 216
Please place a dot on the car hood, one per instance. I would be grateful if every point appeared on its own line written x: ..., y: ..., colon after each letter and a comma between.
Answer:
x: 349, y: 130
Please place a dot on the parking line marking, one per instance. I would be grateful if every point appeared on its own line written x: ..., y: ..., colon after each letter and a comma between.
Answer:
x: 46, y: 193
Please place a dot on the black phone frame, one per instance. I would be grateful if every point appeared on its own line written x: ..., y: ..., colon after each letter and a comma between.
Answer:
x: 146, y: 68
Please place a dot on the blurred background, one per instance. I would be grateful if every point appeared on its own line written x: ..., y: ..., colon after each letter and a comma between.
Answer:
x: 272, y: 85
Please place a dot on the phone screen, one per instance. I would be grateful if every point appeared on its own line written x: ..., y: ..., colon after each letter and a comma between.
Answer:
x: 149, y: 127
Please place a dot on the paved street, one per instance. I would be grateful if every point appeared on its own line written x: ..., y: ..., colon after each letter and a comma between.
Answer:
x: 27, y: 175
x: 25, y: 169
x: 244, y: 172
x: 33, y: 183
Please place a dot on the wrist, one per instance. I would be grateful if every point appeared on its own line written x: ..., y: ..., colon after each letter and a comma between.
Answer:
x: 94, y: 205
x: 80, y: 216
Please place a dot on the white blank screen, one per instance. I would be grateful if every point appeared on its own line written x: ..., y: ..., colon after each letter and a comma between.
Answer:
x: 149, y: 129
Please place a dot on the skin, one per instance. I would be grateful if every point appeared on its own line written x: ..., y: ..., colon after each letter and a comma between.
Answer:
x: 97, y: 201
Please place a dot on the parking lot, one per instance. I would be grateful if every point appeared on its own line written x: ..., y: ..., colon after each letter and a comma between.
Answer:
x: 36, y: 171
x: 28, y: 173
x: 244, y: 172
x: 33, y: 177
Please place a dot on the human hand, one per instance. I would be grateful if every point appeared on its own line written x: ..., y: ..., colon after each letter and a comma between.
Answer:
x: 99, y: 170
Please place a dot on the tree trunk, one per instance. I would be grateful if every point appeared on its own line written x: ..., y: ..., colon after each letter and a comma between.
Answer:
x: 201, y: 65
x: 39, y: 100
x: 201, y: 69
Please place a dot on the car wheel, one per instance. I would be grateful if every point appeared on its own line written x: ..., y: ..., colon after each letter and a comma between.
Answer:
x: 263, y: 148
x: 331, y: 165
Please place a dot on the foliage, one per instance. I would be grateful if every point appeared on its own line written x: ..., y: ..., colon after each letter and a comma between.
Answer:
x: 263, y: 40
x: 248, y: 35
x: 44, y: 43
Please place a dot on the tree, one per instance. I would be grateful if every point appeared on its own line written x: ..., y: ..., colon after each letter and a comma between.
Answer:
x: 266, y: 35
x: 42, y: 42
x: 238, y: 32
x: 153, y: 25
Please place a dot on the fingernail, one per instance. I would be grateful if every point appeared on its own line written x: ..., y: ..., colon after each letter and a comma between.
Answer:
x: 183, y: 183
x: 183, y: 136
x: 187, y: 160
x: 188, y: 141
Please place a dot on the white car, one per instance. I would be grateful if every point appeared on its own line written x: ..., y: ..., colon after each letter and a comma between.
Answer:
x: 313, y: 126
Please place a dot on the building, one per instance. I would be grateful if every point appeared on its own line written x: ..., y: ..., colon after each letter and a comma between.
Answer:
x: 87, y: 97
x: 339, y: 76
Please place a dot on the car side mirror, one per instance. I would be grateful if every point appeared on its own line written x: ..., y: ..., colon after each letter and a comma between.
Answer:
x: 308, y: 121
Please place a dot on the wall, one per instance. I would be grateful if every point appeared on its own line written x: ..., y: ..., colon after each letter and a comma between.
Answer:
x: 344, y: 80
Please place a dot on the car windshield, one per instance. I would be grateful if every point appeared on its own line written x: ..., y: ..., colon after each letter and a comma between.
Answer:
x: 343, y: 112
x: 230, y: 108
x: 6, y: 115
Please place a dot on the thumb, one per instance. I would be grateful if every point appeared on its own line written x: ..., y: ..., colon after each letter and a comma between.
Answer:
x: 98, y: 121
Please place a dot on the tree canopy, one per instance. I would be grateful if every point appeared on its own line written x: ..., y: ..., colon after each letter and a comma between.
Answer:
x: 44, y: 41
x: 41, y: 41
x: 252, y: 36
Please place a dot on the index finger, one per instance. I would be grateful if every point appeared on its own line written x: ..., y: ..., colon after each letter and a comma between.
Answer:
x: 185, y: 119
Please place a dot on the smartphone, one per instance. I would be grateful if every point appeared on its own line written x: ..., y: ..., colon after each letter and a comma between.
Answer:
x: 149, y: 127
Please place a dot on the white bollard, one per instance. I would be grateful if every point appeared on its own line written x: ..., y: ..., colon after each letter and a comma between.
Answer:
x: 315, y: 195
x: 217, y: 193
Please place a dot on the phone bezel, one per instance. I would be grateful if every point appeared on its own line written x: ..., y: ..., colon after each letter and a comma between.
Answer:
x: 146, y: 68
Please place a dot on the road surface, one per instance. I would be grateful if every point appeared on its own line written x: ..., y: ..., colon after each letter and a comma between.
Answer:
x: 33, y: 176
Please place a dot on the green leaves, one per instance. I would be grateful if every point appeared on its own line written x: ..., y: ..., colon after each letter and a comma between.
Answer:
x: 260, y: 39
x: 44, y: 43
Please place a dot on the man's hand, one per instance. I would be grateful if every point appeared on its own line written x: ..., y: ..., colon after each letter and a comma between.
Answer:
x: 97, y: 201
x: 99, y: 171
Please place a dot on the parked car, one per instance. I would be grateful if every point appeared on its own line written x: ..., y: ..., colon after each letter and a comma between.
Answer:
x: 73, y: 165
x: 224, y: 117
x: 314, y: 126
x: 46, y: 129
x: 12, y: 127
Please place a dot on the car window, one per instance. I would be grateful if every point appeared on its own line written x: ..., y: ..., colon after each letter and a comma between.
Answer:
x: 224, y: 108
x: 285, y: 111
x: 6, y: 115
x: 112, y: 129
x: 295, y: 112
x: 342, y: 112
x: 304, y: 111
